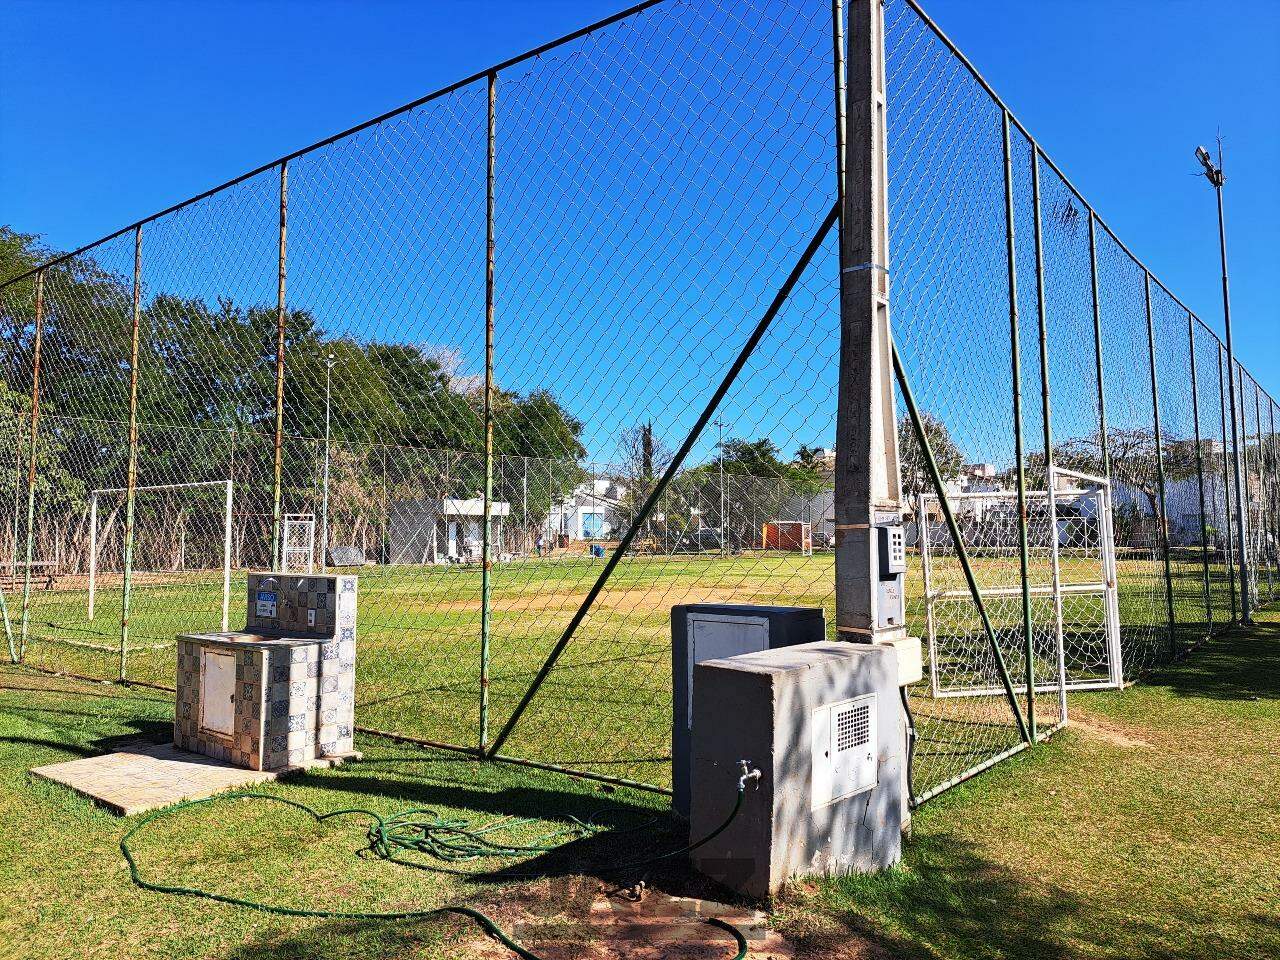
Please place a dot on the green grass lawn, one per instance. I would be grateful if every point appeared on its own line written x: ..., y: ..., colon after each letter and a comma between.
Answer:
x: 1149, y: 828
x: 606, y: 707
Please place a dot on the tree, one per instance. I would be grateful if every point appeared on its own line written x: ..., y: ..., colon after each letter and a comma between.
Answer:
x: 645, y: 457
x: 1133, y: 460
x: 807, y: 457
x: 911, y: 460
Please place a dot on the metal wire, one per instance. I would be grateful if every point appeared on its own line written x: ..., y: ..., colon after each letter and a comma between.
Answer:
x: 648, y: 185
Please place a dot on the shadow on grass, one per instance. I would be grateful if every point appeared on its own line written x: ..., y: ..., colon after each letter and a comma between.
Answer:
x: 951, y: 901
x: 947, y: 896
x: 351, y: 940
x: 1238, y: 665
x: 60, y: 746
x: 493, y: 790
x: 69, y: 736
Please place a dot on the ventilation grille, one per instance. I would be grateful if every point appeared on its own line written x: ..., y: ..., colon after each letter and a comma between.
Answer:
x: 853, y: 727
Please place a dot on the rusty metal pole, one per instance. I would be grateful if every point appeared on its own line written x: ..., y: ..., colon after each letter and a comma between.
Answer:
x: 131, y: 476
x: 277, y: 484
x: 31, y: 463
x: 486, y: 574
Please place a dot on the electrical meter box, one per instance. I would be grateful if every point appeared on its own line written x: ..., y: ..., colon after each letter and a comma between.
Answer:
x: 823, y: 723
x: 891, y: 567
x: 708, y: 631
x: 279, y: 694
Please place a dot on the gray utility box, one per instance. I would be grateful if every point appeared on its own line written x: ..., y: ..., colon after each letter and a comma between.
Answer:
x: 279, y: 694
x: 823, y: 723
x: 709, y: 631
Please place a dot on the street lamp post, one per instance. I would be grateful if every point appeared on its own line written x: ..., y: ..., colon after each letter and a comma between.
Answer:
x: 324, y: 493
x: 724, y: 499
x: 1213, y: 173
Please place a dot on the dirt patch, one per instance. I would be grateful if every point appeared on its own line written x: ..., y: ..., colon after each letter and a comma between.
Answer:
x: 614, y: 927
x: 1109, y: 733
x: 643, y: 599
x: 628, y: 600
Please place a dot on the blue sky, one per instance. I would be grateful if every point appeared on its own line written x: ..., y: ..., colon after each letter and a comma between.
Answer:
x: 112, y: 110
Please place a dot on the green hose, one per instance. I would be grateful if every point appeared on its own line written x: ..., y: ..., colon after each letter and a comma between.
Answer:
x: 421, y: 831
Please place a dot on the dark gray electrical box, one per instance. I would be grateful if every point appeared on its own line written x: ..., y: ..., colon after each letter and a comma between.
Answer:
x: 711, y: 631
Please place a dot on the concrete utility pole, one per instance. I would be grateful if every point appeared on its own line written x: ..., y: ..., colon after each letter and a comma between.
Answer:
x: 1213, y: 173
x: 870, y: 605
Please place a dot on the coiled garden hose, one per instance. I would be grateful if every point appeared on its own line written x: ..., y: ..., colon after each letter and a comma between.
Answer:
x: 422, y: 831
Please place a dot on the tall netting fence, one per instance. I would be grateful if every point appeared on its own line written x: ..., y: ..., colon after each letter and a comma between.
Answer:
x: 1044, y: 354
x: 490, y: 325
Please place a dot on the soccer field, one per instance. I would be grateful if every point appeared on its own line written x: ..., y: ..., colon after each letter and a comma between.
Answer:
x: 607, y: 705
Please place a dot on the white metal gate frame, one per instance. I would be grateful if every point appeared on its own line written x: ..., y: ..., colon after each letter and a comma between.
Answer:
x: 226, y: 535
x: 1084, y: 487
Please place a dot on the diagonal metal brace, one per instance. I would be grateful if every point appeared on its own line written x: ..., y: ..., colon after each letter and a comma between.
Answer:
x: 936, y: 477
x: 748, y: 348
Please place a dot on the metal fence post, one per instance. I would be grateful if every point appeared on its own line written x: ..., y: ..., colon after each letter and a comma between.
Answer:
x: 1264, y: 513
x: 131, y: 475
x: 277, y: 491
x: 1229, y: 547
x: 1161, y: 506
x: 32, y: 439
x: 486, y: 568
x: 1195, y: 411
x: 840, y: 83
x: 1015, y: 363
x: 1271, y: 478
x: 1104, y: 444
x: 1047, y: 416
x: 1245, y: 558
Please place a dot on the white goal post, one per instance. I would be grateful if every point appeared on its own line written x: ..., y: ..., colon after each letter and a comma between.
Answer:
x: 226, y: 535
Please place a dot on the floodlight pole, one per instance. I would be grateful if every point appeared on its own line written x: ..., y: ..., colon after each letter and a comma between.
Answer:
x: 1213, y: 173
x: 324, y: 493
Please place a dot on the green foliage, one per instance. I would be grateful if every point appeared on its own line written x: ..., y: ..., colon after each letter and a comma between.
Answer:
x: 761, y: 459
x: 911, y: 460
x: 207, y: 396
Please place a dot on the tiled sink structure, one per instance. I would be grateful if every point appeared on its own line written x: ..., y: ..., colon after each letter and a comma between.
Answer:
x: 280, y: 694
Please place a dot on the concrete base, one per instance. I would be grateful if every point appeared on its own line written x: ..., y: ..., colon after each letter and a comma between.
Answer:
x: 146, y: 776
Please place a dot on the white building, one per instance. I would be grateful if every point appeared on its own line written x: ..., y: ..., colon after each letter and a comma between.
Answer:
x: 441, y: 531
x: 594, y: 511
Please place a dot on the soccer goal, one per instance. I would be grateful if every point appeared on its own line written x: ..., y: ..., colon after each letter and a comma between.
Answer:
x: 794, y: 536
x: 298, y: 543
x: 180, y: 553
x: 1071, y: 583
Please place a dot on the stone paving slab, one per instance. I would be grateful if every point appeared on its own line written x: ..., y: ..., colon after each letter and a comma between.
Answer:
x: 146, y: 776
